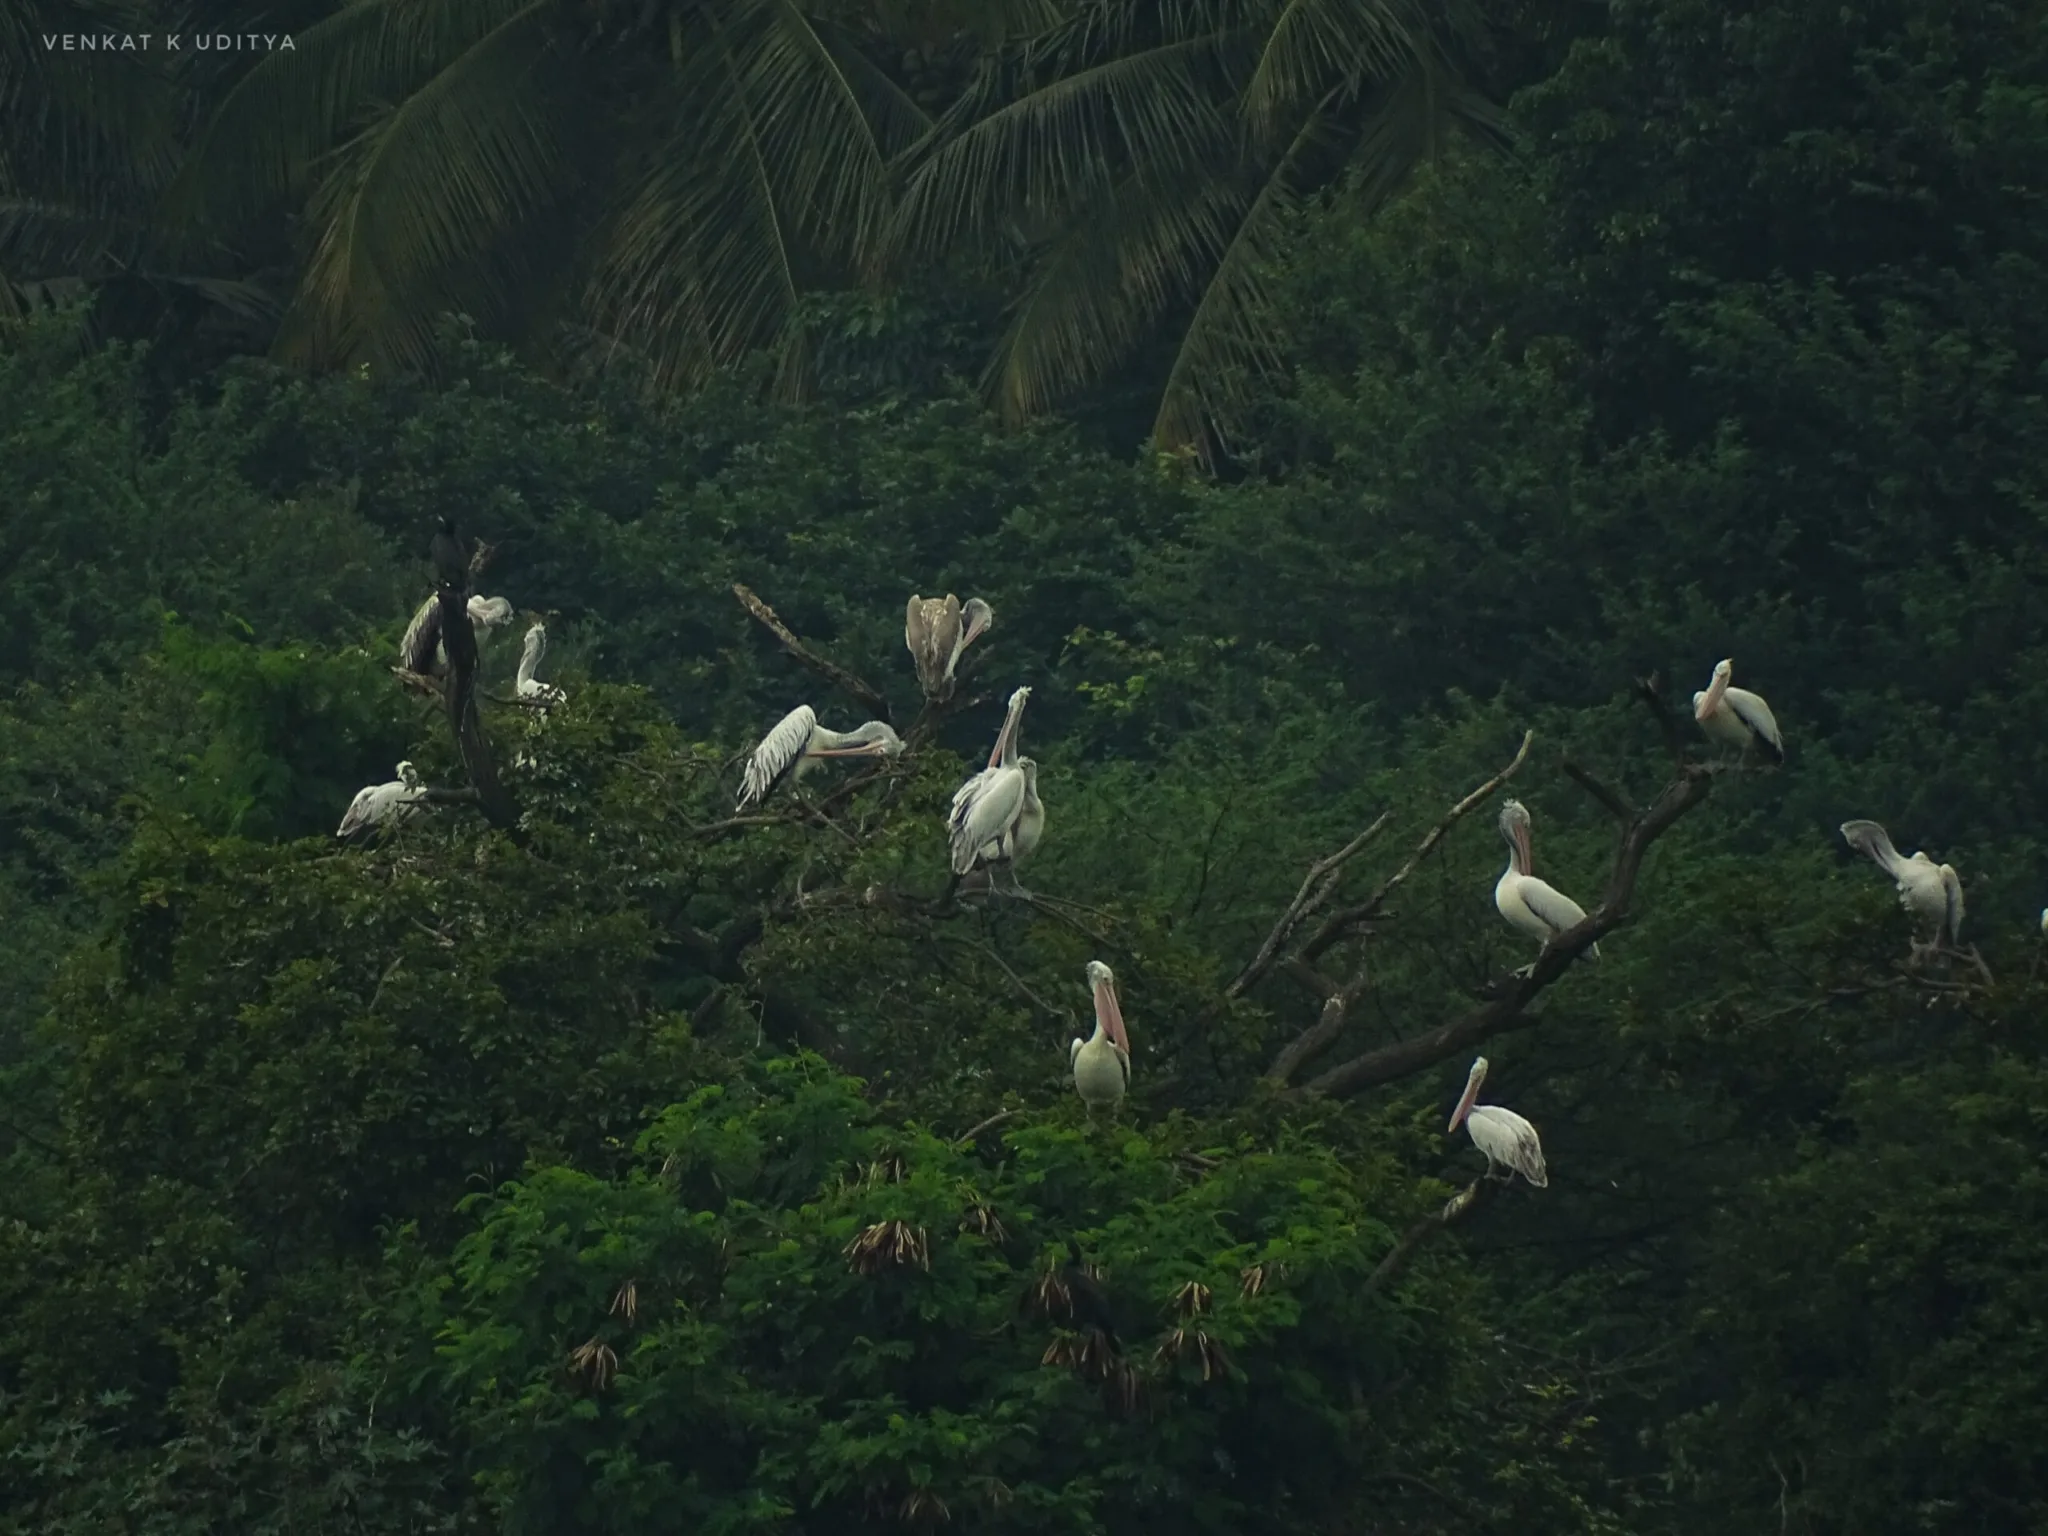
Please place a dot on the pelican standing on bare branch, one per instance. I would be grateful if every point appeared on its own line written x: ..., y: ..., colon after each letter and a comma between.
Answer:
x: 789, y: 751
x: 1504, y: 1136
x: 1526, y: 902
x: 382, y: 803
x: 1736, y: 717
x: 1932, y: 893
x: 997, y: 817
x: 937, y: 630
x: 1102, y: 1062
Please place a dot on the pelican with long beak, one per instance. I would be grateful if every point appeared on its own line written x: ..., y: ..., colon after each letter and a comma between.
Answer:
x: 1504, y: 1136
x: 1932, y: 893
x: 936, y: 630
x: 997, y: 818
x: 1530, y: 904
x: 1737, y: 718
x: 382, y: 804
x: 1102, y: 1062
x: 796, y: 743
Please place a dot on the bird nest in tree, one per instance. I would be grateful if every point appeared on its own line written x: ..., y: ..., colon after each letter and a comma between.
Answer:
x: 887, y: 1244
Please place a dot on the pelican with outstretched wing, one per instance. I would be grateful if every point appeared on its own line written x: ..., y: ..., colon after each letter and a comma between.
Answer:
x: 1932, y: 893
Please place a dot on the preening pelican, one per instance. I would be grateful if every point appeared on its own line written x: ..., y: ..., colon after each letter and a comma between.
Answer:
x: 1102, y: 1062
x: 1504, y: 1136
x: 420, y: 651
x: 997, y: 817
x: 787, y: 752
x: 1528, y: 903
x: 531, y: 687
x: 937, y: 630
x: 1932, y: 893
x: 381, y: 803
x: 1736, y: 717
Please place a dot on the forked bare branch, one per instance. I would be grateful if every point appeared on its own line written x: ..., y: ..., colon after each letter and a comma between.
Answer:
x: 831, y: 671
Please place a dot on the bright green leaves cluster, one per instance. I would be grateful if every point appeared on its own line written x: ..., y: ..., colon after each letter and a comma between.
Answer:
x: 792, y: 1310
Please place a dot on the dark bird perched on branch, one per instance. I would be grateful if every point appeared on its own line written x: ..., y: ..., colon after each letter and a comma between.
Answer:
x: 450, y: 554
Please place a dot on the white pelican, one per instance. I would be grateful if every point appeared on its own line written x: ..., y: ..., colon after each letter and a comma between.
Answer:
x: 529, y: 686
x: 1504, y: 1136
x: 1736, y: 717
x: 1102, y: 1062
x: 997, y: 817
x: 1932, y: 893
x: 381, y: 803
x: 1528, y: 903
x: 787, y: 752
x: 937, y: 630
x: 420, y: 651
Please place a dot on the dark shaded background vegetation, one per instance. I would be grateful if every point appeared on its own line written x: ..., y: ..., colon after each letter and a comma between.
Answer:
x: 469, y: 1183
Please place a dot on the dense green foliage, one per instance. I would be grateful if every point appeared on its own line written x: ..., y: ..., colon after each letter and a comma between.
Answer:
x: 631, y: 1169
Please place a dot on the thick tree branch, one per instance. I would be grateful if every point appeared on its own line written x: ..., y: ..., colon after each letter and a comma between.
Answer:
x: 1508, y: 1009
x: 831, y: 671
x: 1317, y: 886
x: 458, y: 641
x: 1617, y: 807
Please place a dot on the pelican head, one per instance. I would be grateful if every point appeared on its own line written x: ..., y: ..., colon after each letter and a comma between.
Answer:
x: 979, y: 617
x: 875, y: 739
x: 1472, y: 1081
x: 1102, y: 982
x: 1705, y: 703
x: 490, y: 611
x: 1013, y: 720
x: 408, y: 775
x: 1514, y: 829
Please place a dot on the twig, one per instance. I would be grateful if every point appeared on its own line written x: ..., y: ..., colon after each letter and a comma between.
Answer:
x: 1389, y: 1269
x: 831, y: 671
x: 992, y: 1120
x: 1317, y: 886
x: 1337, y: 924
x: 1650, y: 691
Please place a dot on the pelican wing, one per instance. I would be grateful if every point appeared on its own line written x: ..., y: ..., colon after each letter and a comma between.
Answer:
x: 1556, y: 910
x: 1074, y: 1052
x: 779, y: 752
x: 1952, y: 888
x: 359, y: 814
x: 1123, y: 1060
x: 980, y: 824
x: 1756, y: 715
x: 1507, y: 1138
x: 422, y: 639
x: 931, y: 629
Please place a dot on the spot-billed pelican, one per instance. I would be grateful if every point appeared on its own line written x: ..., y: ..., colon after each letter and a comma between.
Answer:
x: 937, y: 630
x: 1528, y: 903
x: 1932, y: 893
x: 421, y: 651
x: 997, y: 817
x: 1102, y: 1062
x: 529, y: 686
x: 1504, y: 1136
x: 787, y: 752
x: 382, y: 803
x: 1736, y: 717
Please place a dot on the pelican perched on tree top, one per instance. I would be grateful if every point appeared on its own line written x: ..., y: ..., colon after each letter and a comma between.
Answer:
x: 1736, y: 717
x: 1102, y: 1062
x: 788, y: 752
x: 997, y: 817
x: 1528, y: 903
x: 382, y: 803
x: 529, y: 686
x: 937, y: 630
x: 1932, y: 893
x: 421, y: 651
x: 1504, y: 1136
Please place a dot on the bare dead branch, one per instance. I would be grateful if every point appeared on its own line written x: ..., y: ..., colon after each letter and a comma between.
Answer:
x: 1338, y: 924
x: 458, y: 642
x: 1650, y: 691
x: 1313, y: 1041
x: 1317, y: 886
x: 1508, y: 1009
x: 1617, y: 807
x: 1403, y: 1254
x: 992, y: 1121
x: 831, y: 671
